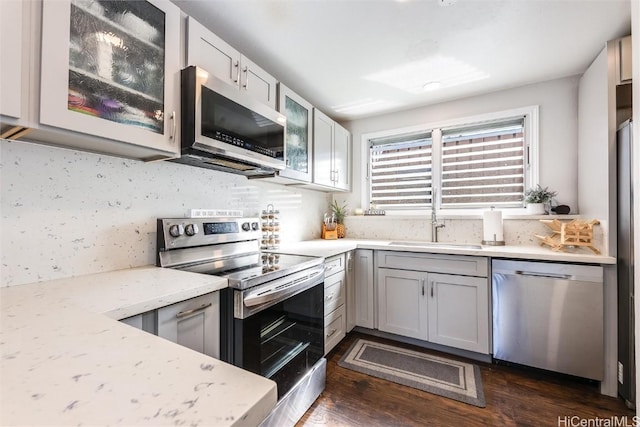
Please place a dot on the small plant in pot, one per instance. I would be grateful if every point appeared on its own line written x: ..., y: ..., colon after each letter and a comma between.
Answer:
x: 340, y: 212
x: 537, y: 199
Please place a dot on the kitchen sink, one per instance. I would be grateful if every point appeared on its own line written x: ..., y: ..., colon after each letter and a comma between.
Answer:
x: 442, y: 245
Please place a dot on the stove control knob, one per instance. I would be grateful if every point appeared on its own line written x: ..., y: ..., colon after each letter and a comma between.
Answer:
x: 176, y: 230
x: 246, y: 226
x: 191, y: 229
x: 255, y: 226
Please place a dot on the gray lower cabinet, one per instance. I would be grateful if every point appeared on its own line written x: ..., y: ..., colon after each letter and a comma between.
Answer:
x: 194, y: 323
x: 335, y: 287
x: 458, y: 311
x: 402, y: 307
x: 350, y: 304
x: 416, y: 300
x: 145, y: 321
x: 364, y: 285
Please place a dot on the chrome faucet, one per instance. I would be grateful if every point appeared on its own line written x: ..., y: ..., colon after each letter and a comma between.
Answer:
x: 434, y: 218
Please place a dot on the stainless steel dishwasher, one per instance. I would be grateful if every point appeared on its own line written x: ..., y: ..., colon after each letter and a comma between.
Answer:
x: 549, y: 316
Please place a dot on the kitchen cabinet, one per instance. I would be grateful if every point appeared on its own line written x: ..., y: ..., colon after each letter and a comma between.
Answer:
x: 415, y: 298
x: 144, y: 321
x: 208, y: 51
x: 298, y: 135
x: 14, y: 66
x: 331, y: 153
x: 350, y: 305
x: 458, y: 311
x: 194, y: 323
x: 112, y: 70
x: 402, y: 307
x: 364, y: 298
x: 623, y: 61
x: 334, y: 302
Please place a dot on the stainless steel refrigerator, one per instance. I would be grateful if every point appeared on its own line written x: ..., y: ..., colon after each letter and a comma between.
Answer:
x: 626, y: 353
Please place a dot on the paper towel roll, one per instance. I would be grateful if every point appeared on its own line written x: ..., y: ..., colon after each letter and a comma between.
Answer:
x: 492, y: 226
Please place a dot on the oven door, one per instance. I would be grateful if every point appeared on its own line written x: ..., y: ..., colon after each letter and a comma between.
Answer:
x: 283, y: 341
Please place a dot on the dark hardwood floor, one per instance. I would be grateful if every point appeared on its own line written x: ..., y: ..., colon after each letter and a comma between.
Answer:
x: 515, y: 396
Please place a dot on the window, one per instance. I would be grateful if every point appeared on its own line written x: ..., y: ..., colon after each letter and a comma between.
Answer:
x: 401, y: 171
x: 475, y: 164
x: 483, y: 165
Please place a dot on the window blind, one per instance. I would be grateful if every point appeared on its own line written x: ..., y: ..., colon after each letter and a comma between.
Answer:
x: 400, y: 171
x: 484, y: 165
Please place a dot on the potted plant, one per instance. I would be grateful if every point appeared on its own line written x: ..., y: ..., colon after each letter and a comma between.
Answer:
x: 340, y: 212
x: 537, y: 198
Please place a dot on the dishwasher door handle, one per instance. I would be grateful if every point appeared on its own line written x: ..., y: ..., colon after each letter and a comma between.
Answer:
x: 547, y: 275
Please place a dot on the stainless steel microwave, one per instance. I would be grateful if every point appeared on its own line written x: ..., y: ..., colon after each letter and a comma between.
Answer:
x: 225, y: 129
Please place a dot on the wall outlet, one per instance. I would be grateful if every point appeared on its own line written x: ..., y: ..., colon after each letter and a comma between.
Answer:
x: 620, y: 373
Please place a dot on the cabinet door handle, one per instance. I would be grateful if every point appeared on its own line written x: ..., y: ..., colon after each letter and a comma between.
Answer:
x: 173, y: 126
x: 246, y: 78
x: 422, y: 283
x: 237, y: 66
x: 337, y: 176
x: 192, y: 311
x: 432, y: 289
x: 333, y: 331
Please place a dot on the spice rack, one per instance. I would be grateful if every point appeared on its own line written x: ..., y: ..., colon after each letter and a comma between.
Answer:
x: 270, y: 228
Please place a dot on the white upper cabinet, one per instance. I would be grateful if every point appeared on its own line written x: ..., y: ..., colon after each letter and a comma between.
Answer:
x: 11, y: 67
x: 210, y: 52
x: 111, y: 70
x: 298, y: 135
x: 331, y: 153
x: 323, y: 127
x: 342, y: 157
x: 15, y: 67
x: 624, y: 59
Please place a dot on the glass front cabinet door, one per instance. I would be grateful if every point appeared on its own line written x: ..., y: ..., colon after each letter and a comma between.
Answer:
x: 110, y: 68
x: 298, y: 140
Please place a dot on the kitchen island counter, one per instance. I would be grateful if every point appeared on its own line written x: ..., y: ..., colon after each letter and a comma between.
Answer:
x: 65, y: 361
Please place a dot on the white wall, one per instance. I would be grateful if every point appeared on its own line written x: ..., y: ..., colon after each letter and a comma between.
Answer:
x: 558, y: 101
x: 67, y: 213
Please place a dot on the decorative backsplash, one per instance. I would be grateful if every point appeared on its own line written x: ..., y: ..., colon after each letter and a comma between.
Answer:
x: 67, y: 213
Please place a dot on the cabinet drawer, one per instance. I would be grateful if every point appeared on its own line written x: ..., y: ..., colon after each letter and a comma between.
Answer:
x: 334, y: 291
x: 193, y: 323
x: 334, y: 329
x: 334, y: 264
x: 435, y: 263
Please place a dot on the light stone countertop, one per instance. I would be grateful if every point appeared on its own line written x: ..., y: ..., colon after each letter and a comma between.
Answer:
x: 327, y: 248
x: 65, y: 361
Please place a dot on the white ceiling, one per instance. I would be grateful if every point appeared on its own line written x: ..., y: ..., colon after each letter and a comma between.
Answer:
x: 379, y: 54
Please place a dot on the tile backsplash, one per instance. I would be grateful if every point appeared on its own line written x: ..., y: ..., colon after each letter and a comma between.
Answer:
x: 67, y: 213
x: 517, y: 231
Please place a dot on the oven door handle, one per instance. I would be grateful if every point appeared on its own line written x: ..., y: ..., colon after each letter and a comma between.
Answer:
x: 280, y: 293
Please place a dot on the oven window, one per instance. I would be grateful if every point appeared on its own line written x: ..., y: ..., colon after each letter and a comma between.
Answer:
x: 227, y: 121
x: 284, y: 341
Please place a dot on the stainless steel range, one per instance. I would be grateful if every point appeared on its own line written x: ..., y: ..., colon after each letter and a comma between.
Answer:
x: 272, y: 314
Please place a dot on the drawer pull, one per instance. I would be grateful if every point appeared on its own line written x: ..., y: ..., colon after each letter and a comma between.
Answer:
x: 192, y: 311
x: 333, y: 331
x: 328, y: 297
